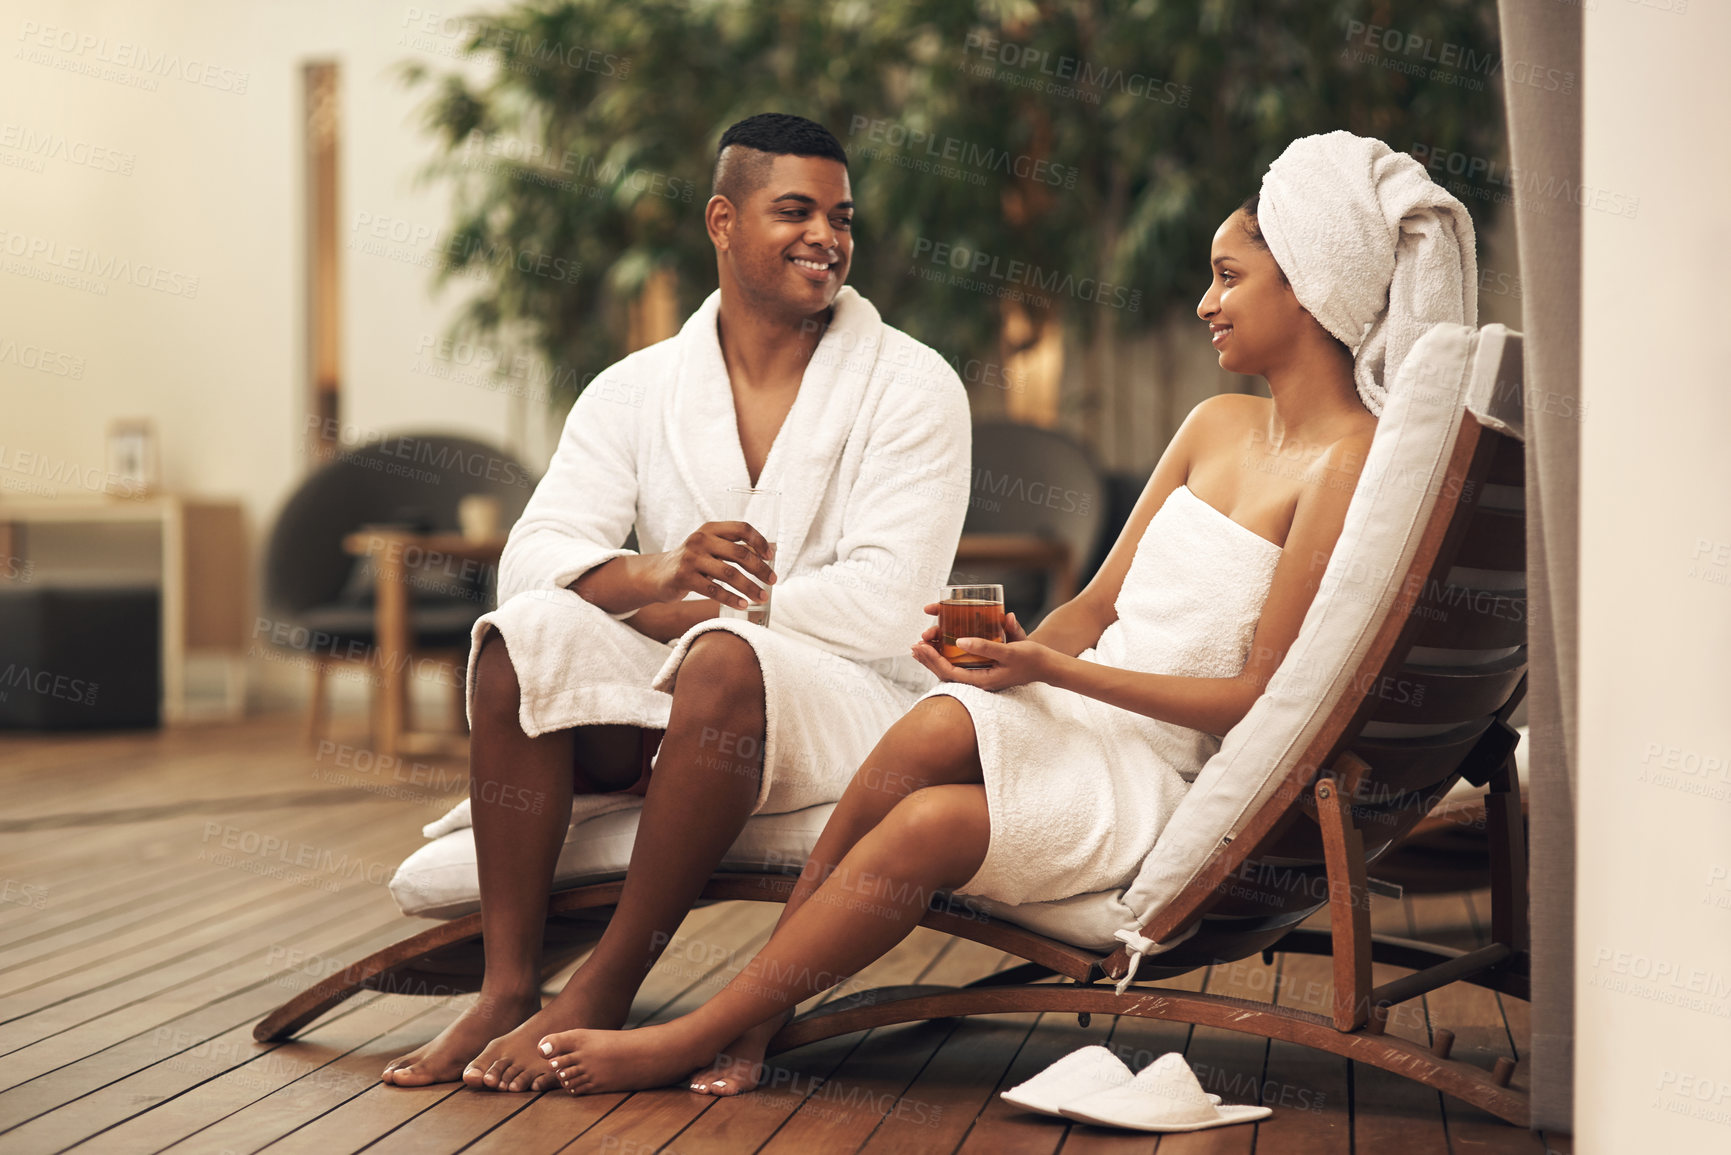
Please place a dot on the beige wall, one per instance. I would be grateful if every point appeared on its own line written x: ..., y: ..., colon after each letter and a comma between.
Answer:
x: 1653, y: 941
x: 210, y: 187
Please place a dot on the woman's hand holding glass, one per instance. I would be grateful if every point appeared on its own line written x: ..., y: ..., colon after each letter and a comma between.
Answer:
x: 1015, y: 661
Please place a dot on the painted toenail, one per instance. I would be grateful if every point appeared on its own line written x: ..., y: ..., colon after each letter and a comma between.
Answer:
x: 546, y: 1048
x: 721, y: 1082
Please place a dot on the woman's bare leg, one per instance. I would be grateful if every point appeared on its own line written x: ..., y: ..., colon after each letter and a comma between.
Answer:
x: 934, y: 744
x: 520, y: 797
x: 704, y: 786
x: 932, y: 840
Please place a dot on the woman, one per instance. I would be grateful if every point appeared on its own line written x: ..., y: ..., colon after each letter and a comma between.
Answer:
x: 1051, y: 772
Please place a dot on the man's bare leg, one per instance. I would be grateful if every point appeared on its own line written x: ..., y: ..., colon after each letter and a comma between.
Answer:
x: 934, y: 839
x: 520, y: 797
x: 704, y: 786
x: 932, y: 745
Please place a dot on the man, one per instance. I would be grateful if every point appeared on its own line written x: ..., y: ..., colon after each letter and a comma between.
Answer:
x: 785, y: 380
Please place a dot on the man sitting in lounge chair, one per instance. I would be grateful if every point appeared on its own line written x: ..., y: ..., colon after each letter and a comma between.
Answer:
x: 782, y: 380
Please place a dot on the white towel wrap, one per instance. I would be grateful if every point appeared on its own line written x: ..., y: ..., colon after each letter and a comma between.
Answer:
x: 1374, y: 249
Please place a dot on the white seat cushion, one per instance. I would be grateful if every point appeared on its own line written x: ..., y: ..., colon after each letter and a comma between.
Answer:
x: 439, y: 880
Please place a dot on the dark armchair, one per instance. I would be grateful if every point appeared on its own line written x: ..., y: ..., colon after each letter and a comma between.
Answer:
x: 320, y: 598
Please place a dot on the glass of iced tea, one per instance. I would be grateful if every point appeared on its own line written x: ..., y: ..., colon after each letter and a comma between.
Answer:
x: 760, y: 509
x: 972, y: 611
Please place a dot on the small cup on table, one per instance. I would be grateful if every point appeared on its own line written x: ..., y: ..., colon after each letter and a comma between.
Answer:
x: 969, y: 611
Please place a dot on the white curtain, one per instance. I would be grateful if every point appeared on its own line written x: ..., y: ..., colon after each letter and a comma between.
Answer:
x: 1545, y: 152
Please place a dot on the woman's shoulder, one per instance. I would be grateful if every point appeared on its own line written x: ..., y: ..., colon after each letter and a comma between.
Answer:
x: 1225, y: 420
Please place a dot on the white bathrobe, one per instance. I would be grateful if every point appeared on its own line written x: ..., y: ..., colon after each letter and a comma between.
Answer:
x: 873, y: 465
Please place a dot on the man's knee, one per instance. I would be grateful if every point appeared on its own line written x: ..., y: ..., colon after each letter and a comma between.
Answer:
x: 720, y: 668
x: 496, y: 691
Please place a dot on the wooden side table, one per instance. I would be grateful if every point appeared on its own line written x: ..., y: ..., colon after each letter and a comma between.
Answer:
x: 397, y: 554
x: 199, y: 563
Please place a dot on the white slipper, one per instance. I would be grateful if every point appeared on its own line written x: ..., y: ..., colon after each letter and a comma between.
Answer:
x: 1164, y: 1096
x: 1077, y: 1075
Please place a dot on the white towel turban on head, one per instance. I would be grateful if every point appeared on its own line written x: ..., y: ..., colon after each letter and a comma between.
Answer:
x: 1374, y: 249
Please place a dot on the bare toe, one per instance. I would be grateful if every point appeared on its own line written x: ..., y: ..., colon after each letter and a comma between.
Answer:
x: 447, y: 1057
x: 739, y: 1068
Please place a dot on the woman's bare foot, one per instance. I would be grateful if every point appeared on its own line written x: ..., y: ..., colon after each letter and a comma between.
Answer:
x: 739, y: 1067
x: 591, y: 1062
x: 513, y: 1062
x: 444, y: 1058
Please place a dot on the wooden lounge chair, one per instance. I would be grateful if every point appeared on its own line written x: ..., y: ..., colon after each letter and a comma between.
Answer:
x: 1342, y: 757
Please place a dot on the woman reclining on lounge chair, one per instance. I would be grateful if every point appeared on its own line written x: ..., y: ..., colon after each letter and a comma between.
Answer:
x: 1051, y: 772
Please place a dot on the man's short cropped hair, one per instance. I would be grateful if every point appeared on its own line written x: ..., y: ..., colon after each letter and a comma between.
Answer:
x: 759, y: 140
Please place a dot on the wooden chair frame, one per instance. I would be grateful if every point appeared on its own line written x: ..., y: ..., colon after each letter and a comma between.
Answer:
x: 1308, y: 798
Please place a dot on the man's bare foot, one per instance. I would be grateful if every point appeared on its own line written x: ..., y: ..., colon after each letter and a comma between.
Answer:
x: 591, y: 1062
x: 739, y: 1068
x: 513, y: 1062
x: 443, y: 1059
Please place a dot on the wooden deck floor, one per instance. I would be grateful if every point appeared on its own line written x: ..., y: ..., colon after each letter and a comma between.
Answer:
x: 160, y: 892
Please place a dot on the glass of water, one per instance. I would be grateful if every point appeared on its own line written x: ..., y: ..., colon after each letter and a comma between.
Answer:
x: 760, y: 509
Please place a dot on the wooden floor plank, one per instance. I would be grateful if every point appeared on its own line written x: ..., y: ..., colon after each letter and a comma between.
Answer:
x: 306, y: 1066
x: 180, y: 983
x: 134, y: 940
x: 334, y: 1064
x: 1300, y: 1084
x: 411, y: 1119
x: 93, y: 1054
x: 363, y: 1118
x: 843, y: 1111
x: 956, y: 1086
x: 1388, y: 1111
x: 651, y: 1119
x: 1481, y: 1035
x: 1000, y: 1127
